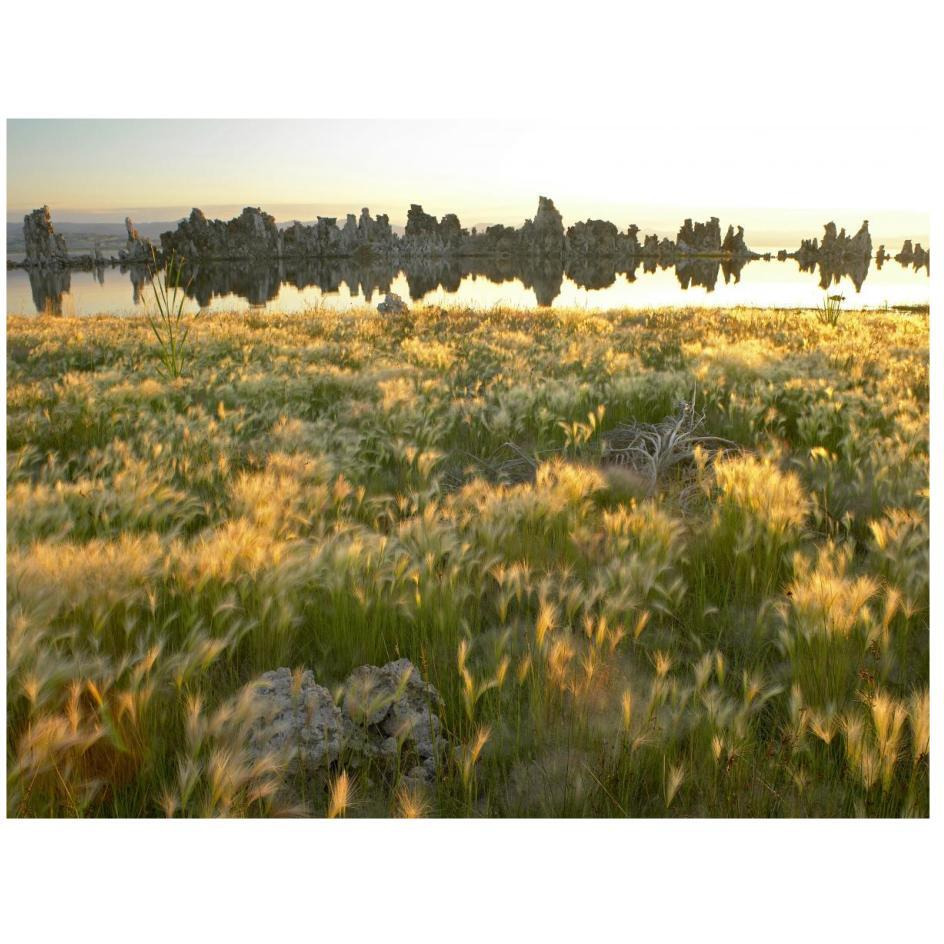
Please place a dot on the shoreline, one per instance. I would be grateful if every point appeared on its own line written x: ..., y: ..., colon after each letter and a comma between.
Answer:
x: 440, y: 310
x: 255, y: 237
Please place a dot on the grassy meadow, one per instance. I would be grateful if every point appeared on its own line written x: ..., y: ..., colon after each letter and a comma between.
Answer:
x: 658, y: 563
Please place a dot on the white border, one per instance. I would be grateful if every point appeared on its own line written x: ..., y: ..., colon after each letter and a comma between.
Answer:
x: 859, y: 74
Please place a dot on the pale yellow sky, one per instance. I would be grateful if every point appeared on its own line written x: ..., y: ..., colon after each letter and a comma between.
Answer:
x: 775, y: 183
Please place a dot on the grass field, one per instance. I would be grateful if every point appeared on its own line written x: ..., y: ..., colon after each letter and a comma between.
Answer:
x: 631, y: 606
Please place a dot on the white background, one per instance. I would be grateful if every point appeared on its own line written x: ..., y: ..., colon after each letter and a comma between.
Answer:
x: 860, y: 82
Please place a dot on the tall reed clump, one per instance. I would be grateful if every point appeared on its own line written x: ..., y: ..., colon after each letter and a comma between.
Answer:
x: 831, y: 631
x: 886, y: 747
x: 167, y: 322
x: 92, y: 734
x: 830, y: 311
x: 757, y: 513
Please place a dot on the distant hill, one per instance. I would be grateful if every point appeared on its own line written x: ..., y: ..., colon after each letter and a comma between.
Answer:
x: 86, y: 236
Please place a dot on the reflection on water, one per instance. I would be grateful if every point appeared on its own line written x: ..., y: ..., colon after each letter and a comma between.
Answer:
x: 517, y: 282
x: 48, y: 287
x: 832, y: 271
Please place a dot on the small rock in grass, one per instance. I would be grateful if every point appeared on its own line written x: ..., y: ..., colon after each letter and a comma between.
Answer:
x: 392, y: 305
x: 299, y: 716
x: 385, y: 710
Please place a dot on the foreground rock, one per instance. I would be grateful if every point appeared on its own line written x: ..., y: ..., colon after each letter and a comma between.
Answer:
x: 392, y: 305
x: 392, y: 708
x: 388, y: 716
x: 297, y: 716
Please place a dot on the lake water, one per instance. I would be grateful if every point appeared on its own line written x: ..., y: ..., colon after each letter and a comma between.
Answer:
x: 482, y: 283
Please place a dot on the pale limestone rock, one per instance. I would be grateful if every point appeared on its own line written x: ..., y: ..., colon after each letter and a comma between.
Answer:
x: 699, y: 238
x: 387, y: 712
x: 298, y: 716
x: 392, y: 305
x: 393, y: 702
x: 44, y: 247
x: 136, y: 249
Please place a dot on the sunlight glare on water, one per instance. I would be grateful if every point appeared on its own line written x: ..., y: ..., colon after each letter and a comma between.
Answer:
x: 761, y: 284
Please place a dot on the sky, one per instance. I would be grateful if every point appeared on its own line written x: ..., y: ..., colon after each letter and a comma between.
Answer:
x: 776, y: 181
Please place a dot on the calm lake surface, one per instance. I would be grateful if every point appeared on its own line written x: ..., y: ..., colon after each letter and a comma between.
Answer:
x: 343, y: 284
